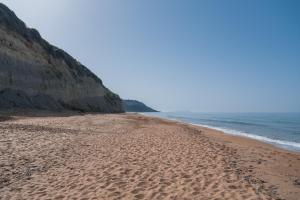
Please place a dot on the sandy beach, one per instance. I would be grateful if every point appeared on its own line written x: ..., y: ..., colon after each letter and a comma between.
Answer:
x: 129, y: 156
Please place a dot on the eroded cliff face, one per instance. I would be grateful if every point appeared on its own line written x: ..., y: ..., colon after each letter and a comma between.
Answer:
x: 31, y: 66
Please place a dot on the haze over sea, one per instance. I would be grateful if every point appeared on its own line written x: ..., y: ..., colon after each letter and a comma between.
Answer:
x: 280, y: 129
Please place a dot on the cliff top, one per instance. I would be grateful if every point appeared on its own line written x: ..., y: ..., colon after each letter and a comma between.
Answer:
x: 10, y: 21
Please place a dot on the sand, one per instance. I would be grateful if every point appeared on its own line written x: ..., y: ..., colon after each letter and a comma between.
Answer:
x: 129, y: 156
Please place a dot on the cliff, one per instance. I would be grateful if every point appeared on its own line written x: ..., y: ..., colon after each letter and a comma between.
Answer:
x: 36, y: 74
x: 136, y: 106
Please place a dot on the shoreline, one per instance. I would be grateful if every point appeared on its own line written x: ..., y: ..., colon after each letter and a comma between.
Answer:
x: 242, y: 142
x: 290, y: 146
x: 132, y: 156
x: 272, y: 145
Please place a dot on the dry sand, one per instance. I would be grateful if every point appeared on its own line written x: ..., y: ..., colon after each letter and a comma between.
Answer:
x: 128, y: 156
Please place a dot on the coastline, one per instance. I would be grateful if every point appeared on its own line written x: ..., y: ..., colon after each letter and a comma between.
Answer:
x: 223, y: 133
x: 275, y: 170
x: 279, y: 143
x: 141, y: 157
x: 276, y: 167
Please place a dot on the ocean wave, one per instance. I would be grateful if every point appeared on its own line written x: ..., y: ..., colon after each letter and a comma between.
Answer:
x: 282, y: 143
x: 217, y: 120
x: 294, y: 146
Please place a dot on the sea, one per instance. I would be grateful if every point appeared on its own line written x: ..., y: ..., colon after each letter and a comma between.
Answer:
x: 279, y: 129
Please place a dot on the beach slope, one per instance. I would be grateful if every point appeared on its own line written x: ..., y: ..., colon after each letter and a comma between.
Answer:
x: 129, y: 156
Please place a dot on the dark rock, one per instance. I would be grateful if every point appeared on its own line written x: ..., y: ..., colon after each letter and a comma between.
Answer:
x: 42, y: 101
x: 10, y: 98
x: 297, y: 182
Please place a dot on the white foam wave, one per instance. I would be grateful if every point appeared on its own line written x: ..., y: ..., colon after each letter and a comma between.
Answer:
x: 282, y: 143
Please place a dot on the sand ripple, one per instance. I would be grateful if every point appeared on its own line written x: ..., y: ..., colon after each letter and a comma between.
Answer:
x: 116, y: 157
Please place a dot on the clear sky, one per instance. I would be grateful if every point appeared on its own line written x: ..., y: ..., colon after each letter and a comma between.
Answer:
x: 223, y: 56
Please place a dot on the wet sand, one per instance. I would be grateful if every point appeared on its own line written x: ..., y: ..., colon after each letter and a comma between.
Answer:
x: 129, y: 156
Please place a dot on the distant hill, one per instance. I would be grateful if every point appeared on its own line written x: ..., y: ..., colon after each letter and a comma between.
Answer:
x: 136, y: 106
x: 36, y: 74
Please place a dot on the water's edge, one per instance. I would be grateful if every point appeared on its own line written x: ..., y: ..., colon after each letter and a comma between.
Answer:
x: 283, y: 144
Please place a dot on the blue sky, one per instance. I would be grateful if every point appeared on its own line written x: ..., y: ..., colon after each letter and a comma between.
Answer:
x: 221, y: 56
